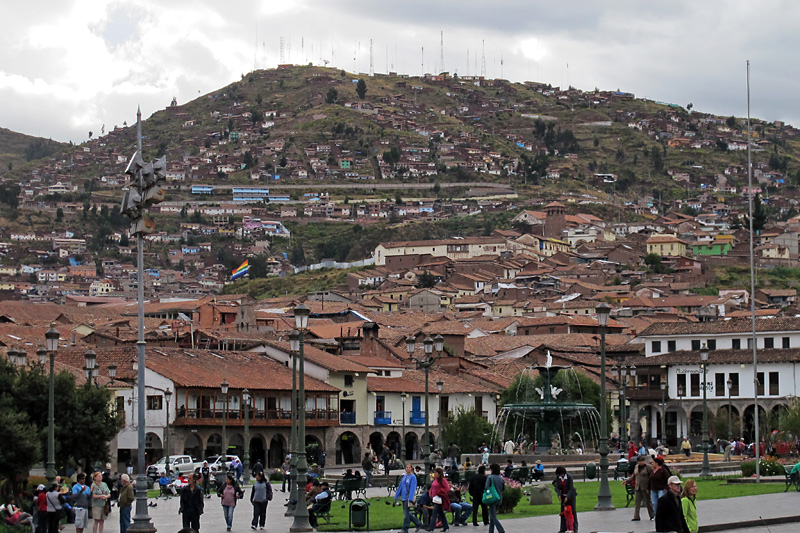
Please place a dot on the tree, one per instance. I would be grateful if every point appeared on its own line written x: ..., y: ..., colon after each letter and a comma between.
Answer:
x: 181, y: 266
x: 731, y: 121
x: 59, y: 214
x: 690, y: 106
x: 654, y: 262
x: 391, y: 157
x: 427, y: 280
x: 332, y: 96
x: 467, y: 428
x: 259, y: 99
x: 361, y: 88
x: 759, y: 215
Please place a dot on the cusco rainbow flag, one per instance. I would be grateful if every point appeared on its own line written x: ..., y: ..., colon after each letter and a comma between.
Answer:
x: 243, y: 269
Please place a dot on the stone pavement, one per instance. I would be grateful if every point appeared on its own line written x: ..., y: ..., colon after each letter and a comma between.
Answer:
x: 712, y: 514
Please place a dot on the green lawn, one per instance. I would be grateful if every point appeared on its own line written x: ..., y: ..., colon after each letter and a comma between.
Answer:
x: 384, y: 517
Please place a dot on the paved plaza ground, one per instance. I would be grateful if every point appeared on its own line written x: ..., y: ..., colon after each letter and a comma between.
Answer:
x: 711, y: 513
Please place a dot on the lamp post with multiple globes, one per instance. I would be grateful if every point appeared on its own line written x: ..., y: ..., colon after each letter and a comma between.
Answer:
x: 51, y: 337
x: 301, y: 523
x: 604, y: 494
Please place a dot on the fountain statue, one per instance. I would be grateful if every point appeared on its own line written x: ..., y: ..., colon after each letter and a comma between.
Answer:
x: 555, y: 444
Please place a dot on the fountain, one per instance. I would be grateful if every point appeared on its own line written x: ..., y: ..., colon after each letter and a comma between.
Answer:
x: 553, y: 424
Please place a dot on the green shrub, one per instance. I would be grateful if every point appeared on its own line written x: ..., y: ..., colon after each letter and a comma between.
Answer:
x: 276, y: 475
x: 768, y: 467
x: 512, y: 494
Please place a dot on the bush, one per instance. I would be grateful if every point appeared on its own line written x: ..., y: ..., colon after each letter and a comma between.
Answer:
x: 276, y: 475
x: 512, y: 494
x: 768, y: 467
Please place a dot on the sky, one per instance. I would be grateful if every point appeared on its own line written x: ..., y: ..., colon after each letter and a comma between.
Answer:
x: 69, y: 67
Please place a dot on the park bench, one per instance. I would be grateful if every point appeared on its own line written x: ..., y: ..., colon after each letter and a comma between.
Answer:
x: 345, y: 488
x: 791, y: 479
x: 521, y: 474
x: 391, y: 487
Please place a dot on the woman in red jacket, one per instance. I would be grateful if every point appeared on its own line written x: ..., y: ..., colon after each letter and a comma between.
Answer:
x: 441, y: 503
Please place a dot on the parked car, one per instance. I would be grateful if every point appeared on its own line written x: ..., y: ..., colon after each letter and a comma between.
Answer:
x: 178, y: 464
x: 216, y: 465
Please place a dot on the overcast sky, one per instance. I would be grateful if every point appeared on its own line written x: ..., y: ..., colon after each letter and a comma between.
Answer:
x: 71, y: 66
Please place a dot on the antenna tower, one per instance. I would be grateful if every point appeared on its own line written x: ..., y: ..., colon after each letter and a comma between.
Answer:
x: 483, y: 58
x: 501, y: 66
x: 441, y: 50
x: 423, y: 62
x: 467, y: 61
x: 302, y: 49
x: 283, y: 49
x: 371, y: 59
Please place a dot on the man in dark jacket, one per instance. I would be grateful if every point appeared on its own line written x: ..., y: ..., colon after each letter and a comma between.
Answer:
x: 476, y: 488
x: 669, y: 514
x: 565, y: 489
x: 191, y: 504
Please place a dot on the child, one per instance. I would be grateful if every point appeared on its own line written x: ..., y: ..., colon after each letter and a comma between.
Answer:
x: 566, y: 512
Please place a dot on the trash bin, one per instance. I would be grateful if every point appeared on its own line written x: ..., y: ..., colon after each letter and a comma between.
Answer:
x: 359, y: 513
x: 589, y: 471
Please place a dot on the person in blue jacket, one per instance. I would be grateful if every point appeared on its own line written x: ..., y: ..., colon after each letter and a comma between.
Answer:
x: 405, y: 492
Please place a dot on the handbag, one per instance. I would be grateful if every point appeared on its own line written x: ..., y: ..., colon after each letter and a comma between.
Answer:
x: 437, y: 500
x: 490, y: 495
x: 108, y: 507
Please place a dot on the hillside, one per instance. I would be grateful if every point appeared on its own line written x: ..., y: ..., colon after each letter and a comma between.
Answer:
x: 16, y: 149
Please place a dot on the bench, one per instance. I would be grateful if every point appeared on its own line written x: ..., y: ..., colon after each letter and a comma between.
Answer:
x: 345, y: 488
x: 324, y: 511
x: 630, y: 493
x: 623, y: 471
x: 791, y: 479
x: 521, y: 474
x: 391, y: 487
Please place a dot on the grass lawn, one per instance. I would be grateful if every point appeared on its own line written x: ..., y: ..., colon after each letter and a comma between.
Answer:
x: 384, y: 517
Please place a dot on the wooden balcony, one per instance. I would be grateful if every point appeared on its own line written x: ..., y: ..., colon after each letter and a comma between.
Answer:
x: 258, y: 418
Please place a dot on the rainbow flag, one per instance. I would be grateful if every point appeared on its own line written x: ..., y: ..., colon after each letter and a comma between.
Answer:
x: 243, y: 269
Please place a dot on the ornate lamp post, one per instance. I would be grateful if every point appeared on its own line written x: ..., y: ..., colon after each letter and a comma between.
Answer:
x: 623, y: 416
x: 246, y: 400
x: 51, y: 337
x: 167, y: 397
x: 426, y: 364
x: 663, y: 386
x: 90, y: 370
x: 300, y: 523
x: 604, y: 494
x: 403, y: 397
x: 294, y: 345
x: 729, y: 383
x: 224, y: 387
x: 706, y: 469
x: 112, y: 372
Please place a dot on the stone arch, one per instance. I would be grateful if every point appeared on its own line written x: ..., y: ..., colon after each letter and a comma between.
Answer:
x: 258, y: 450
x: 748, y: 422
x: 314, y: 449
x: 393, y: 442
x: 376, y: 441
x: 236, y: 445
x: 278, y: 450
x: 153, y: 448
x: 193, y: 446
x: 348, y: 449
x: 213, y: 445
x: 412, y: 446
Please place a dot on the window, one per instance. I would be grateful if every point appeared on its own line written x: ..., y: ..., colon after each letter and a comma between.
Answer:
x: 786, y: 343
x: 719, y: 384
x: 681, y: 385
x: 696, y: 345
x: 154, y: 403
x: 773, y: 384
x: 671, y: 346
x: 769, y: 342
x: 760, y: 388
x: 736, y: 344
x: 120, y: 400
x: 348, y: 381
x: 734, y: 377
x: 749, y: 343
x: 711, y: 344
x: 656, y: 345
x: 695, y: 382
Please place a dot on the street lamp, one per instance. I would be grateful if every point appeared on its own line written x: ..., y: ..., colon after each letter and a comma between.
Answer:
x: 51, y: 337
x: 706, y: 469
x: 681, y: 392
x: 425, y: 364
x: 246, y: 400
x: 623, y: 422
x: 663, y: 385
x: 112, y: 372
x: 301, y: 523
x: 224, y: 386
x: 604, y: 495
x: 167, y: 397
x: 294, y: 346
x: 729, y: 383
x: 403, y: 397
x: 90, y: 357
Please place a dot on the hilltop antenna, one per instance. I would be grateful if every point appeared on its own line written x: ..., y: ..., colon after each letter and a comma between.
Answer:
x: 283, y: 49
x: 483, y: 59
x: 467, y: 61
x: 441, y: 50
x: 371, y: 60
x: 501, y: 67
x: 387, y: 59
x: 423, y: 62
x: 303, y: 49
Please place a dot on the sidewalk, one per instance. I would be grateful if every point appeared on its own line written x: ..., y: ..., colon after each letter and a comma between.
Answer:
x: 714, y: 515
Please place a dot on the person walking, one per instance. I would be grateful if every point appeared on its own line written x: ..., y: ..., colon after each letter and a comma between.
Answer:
x: 80, y: 502
x: 495, y: 480
x: 55, y: 504
x: 453, y: 453
x: 191, y: 506
x: 641, y: 481
x: 686, y: 447
x: 287, y: 474
x: 476, y: 487
x: 386, y: 458
x: 367, y: 465
x: 670, y: 510
x: 689, y: 505
x: 40, y: 509
x: 405, y: 492
x: 100, y: 495
x: 229, y: 494
x: 441, y: 501
x: 508, y: 447
x: 124, y: 502
x: 260, y: 496
x: 658, y: 481
x: 205, y: 472
x: 565, y: 489
x: 258, y: 468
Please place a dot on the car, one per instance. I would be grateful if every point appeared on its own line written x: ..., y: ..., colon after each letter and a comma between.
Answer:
x: 216, y: 465
x: 178, y: 464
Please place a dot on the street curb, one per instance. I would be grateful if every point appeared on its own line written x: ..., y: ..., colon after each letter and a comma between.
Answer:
x: 750, y: 523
